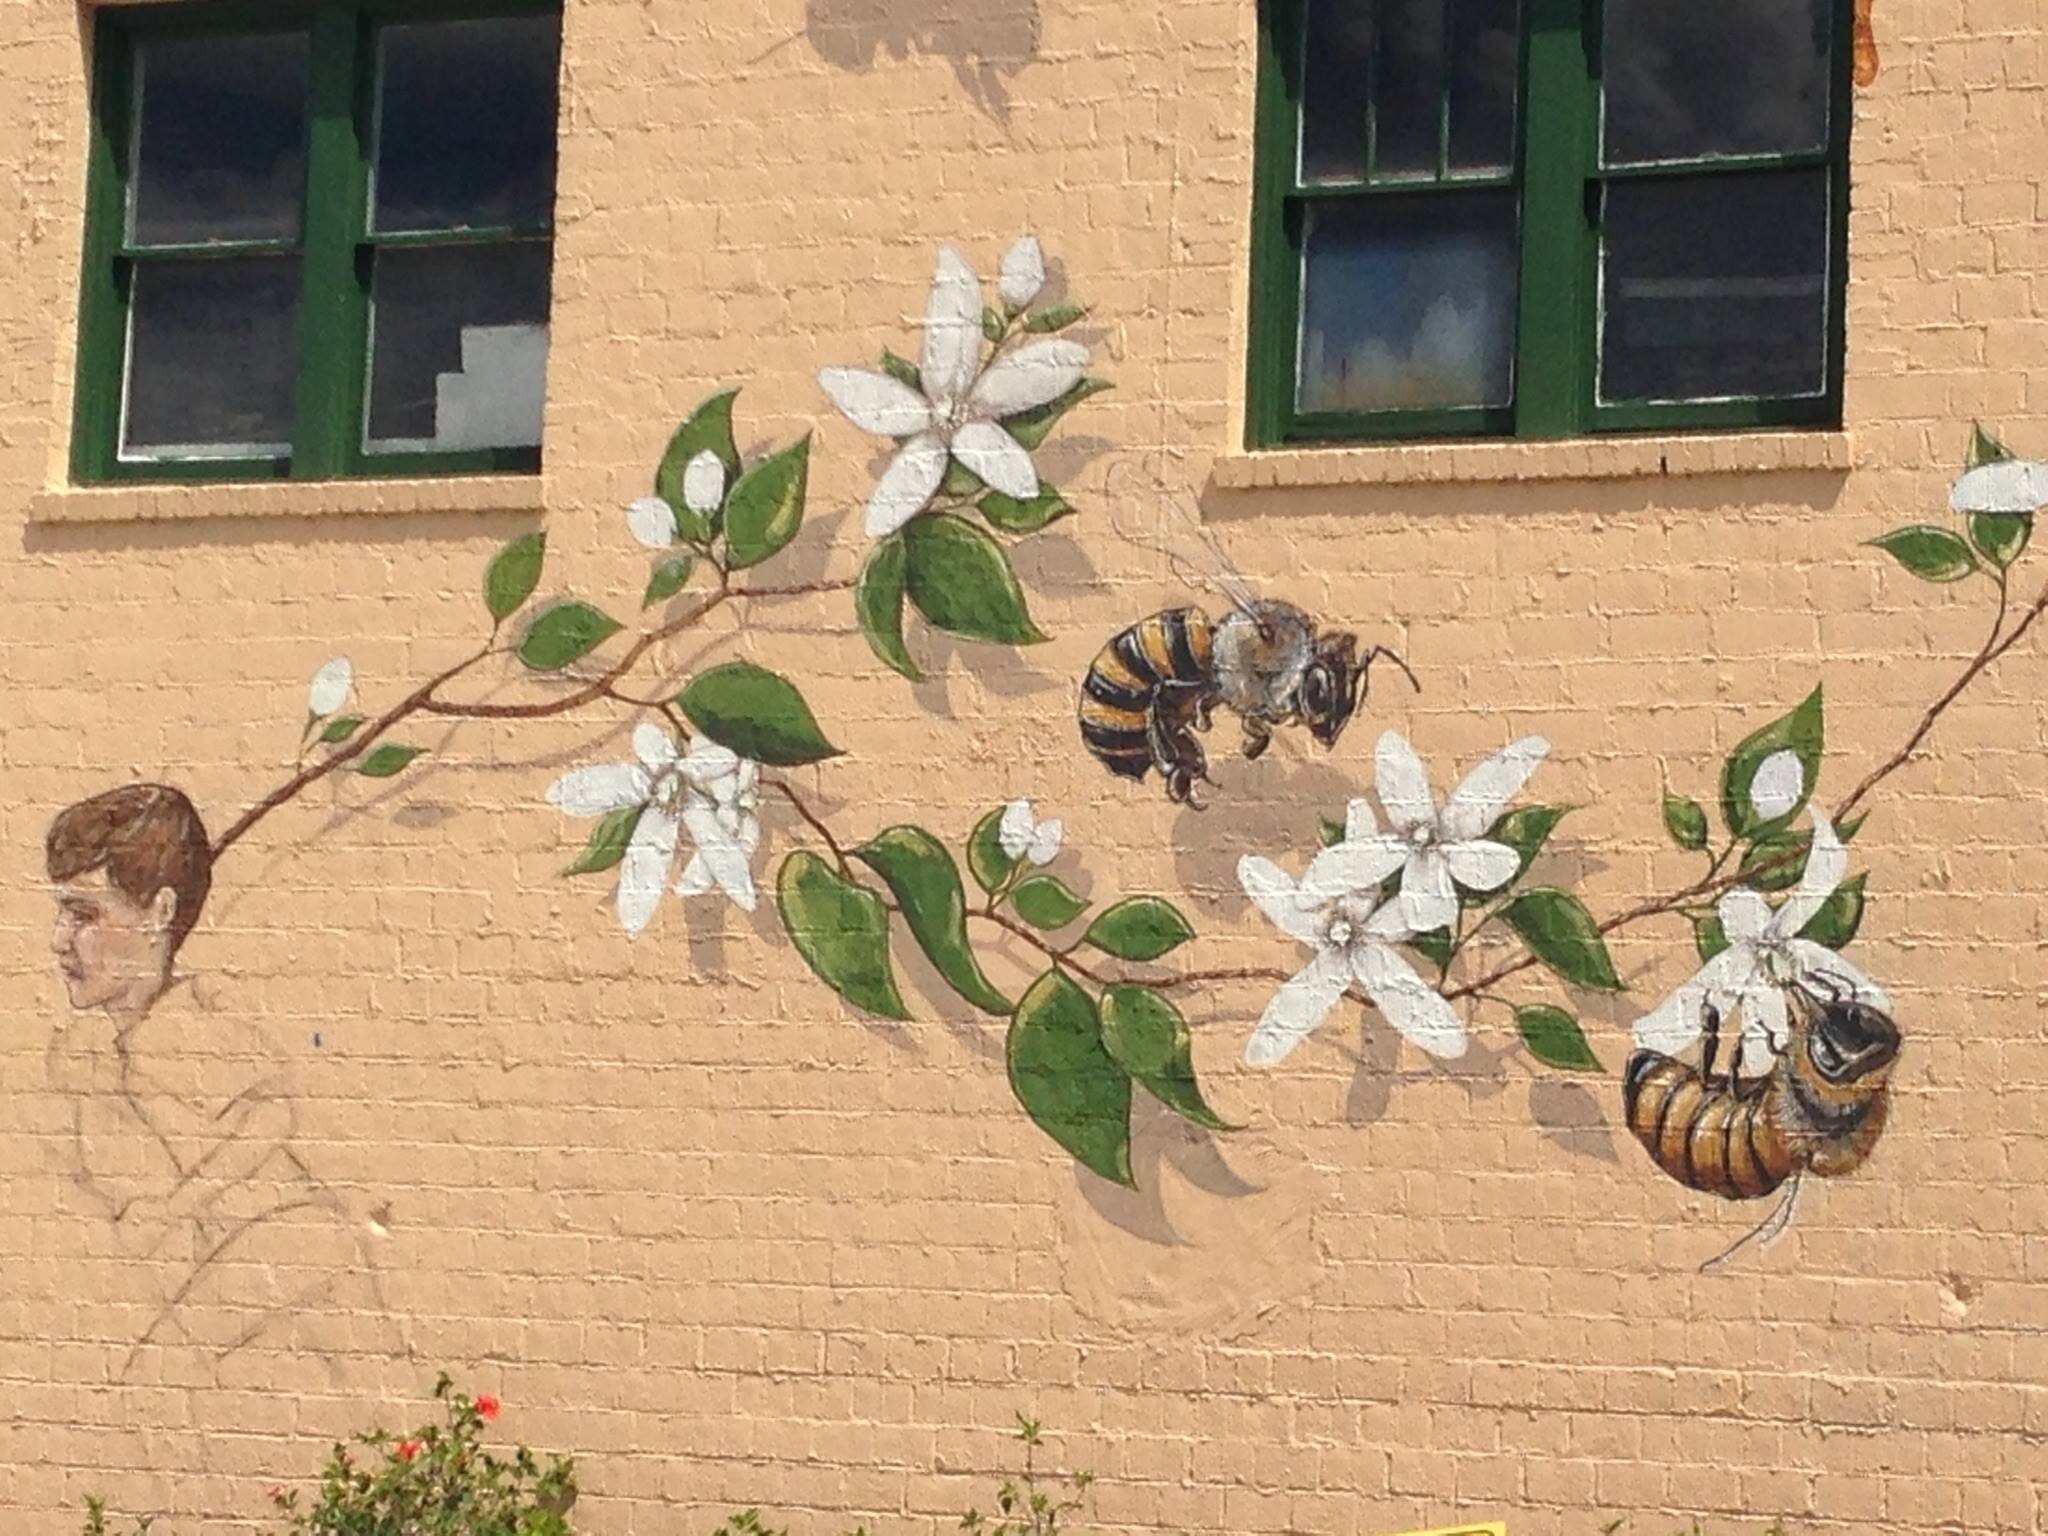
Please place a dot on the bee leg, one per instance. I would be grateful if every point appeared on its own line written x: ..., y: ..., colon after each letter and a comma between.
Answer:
x: 1175, y: 752
x: 1710, y: 1029
x: 1258, y: 736
x: 1205, y: 709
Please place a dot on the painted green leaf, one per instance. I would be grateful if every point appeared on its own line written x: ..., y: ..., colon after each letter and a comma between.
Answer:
x: 1801, y: 732
x: 1686, y: 821
x: 1555, y: 1039
x: 1054, y: 317
x: 1033, y: 427
x: 926, y: 883
x: 608, y: 842
x: 901, y: 369
x: 766, y: 506
x: 1561, y: 933
x: 1006, y: 514
x: 513, y: 573
x: 1527, y: 830
x: 667, y: 580
x: 878, y: 603
x: 1708, y: 936
x: 709, y: 427
x: 991, y: 324
x: 756, y: 713
x: 1775, y: 861
x: 1066, y: 1079
x: 1985, y: 448
x: 1435, y: 944
x: 961, y: 482
x: 1840, y: 916
x: 1932, y: 554
x: 2000, y: 537
x: 1146, y: 1036
x: 382, y: 762
x: 341, y: 728
x: 1140, y: 928
x: 1332, y: 830
x: 1044, y: 901
x: 842, y: 931
x: 565, y: 633
x: 1847, y: 830
x: 962, y: 581
x: 986, y: 861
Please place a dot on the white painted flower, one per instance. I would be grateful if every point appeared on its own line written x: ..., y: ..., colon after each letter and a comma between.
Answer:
x: 331, y: 685
x: 1764, y: 956
x: 1023, y: 835
x: 2013, y: 486
x: 653, y: 521
x: 956, y: 413
x: 1023, y: 272
x: 708, y: 792
x: 1780, y: 781
x: 1331, y: 911
x: 1439, y: 850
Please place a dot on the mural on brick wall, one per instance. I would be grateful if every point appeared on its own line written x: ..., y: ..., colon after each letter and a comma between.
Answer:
x: 1770, y: 1063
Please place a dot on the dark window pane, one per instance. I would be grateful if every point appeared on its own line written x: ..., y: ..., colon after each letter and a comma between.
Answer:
x: 220, y: 139
x: 1409, y: 90
x: 466, y: 124
x: 1715, y: 286
x: 458, y: 345
x: 1731, y: 77
x: 213, y: 358
x: 1335, y: 69
x: 1486, y: 62
x: 1409, y: 302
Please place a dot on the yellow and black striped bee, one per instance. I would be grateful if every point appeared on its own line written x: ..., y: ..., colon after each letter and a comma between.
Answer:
x: 1819, y: 1109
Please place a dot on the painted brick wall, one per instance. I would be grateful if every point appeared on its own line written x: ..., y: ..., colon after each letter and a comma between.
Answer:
x: 728, y: 1242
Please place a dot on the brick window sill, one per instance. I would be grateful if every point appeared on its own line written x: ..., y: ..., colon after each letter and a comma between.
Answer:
x: 1580, y: 458
x: 135, y: 503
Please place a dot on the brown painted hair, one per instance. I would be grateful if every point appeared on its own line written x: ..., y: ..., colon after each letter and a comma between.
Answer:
x: 147, y: 837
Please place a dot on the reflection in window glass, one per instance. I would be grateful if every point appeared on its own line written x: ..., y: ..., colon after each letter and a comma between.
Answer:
x: 1408, y: 303
x: 1336, y: 66
x: 1734, y: 77
x: 220, y: 139
x: 466, y: 124
x: 1715, y: 286
x: 213, y: 358
x: 459, y: 338
x: 1486, y: 59
x: 1408, y: 94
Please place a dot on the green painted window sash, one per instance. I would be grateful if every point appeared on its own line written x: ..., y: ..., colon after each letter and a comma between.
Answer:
x: 1557, y: 331
x: 336, y: 247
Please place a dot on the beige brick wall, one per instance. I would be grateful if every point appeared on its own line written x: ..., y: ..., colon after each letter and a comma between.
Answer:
x: 726, y: 1241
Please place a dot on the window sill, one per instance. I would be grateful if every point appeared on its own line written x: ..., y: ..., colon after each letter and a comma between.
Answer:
x: 1578, y: 458
x: 133, y: 503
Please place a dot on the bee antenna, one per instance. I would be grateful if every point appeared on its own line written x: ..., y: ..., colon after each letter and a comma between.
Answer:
x: 1365, y: 665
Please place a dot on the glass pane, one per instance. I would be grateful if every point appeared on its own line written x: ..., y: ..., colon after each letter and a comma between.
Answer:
x: 458, y: 347
x: 1735, y: 77
x: 220, y: 139
x: 466, y: 124
x: 1335, y: 70
x: 1409, y: 303
x: 1409, y: 90
x: 1715, y: 286
x: 1486, y: 60
x: 213, y: 358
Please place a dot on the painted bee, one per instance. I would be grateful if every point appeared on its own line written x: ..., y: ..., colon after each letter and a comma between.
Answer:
x: 1819, y: 1110
x: 1160, y: 681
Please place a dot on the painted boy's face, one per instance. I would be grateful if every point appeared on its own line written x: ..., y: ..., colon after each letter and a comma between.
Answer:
x: 110, y: 948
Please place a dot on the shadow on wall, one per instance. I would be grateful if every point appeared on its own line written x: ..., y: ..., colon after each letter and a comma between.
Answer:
x: 986, y: 41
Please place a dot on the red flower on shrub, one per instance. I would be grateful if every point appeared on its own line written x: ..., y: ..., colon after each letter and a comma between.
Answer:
x: 407, y: 1449
x: 489, y: 1406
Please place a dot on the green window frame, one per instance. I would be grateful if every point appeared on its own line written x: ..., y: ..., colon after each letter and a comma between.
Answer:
x: 336, y: 246
x: 1563, y: 187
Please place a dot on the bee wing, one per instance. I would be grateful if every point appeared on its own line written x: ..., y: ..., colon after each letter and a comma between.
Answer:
x: 1151, y: 512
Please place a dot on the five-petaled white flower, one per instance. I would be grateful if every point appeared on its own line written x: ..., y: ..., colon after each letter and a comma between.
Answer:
x: 1764, y: 956
x: 331, y: 685
x: 1023, y: 835
x: 955, y: 413
x: 1023, y: 273
x: 653, y: 521
x: 1779, y: 782
x: 1331, y: 910
x: 1435, y: 848
x: 710, y: 792
x: 2013, y: 486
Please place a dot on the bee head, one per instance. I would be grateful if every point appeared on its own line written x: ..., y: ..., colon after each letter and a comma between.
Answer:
x: 1846, y: 1038
x: 1331, y: 686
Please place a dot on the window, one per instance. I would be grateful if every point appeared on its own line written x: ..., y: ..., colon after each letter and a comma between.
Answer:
x: 318, y: 241
x: 1537, y: 218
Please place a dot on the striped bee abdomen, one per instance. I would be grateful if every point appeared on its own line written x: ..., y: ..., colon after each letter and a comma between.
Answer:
x: 1124, y: 680
x: 1702, y: 1133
